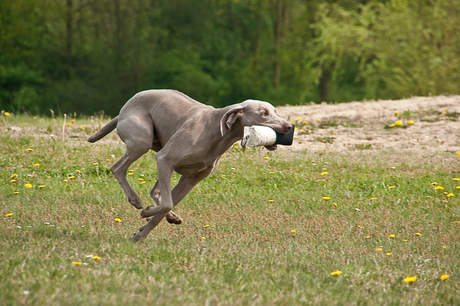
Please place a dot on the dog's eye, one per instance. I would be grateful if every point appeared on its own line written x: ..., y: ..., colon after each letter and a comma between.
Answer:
x: 265, y: 113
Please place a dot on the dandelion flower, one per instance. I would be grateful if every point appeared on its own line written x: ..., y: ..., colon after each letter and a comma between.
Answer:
x: 396, y: 113
x: 392, y: 125
x: 319, y: 120
x: 206, y: 225
x: 458, y: 187
x: 388, y: 253
x: 444, y: 276
x: 391, y: 187
x: 82, y: 127
x: 373, y: 199
x: 418, y: 234
x: 28, y: 185
x: 266, y: 157
x: 117, y: 220
x: 7, y: 114
x: 37, y: 165
x: 326, y: 198
x: 410, y: 122
x: 8, y: 214
x: 379, y: 249
x: 30, y: 149
x: 398, y: 123
x: 450, y: 194
x: 77, y: 263
x: 324, y: 173
x: 14, y: 175
x: 335, y: 204
x: 95, y: 257
x: 456, y: 179
x: 72, y: 177
x: 336, y: 273
x: 434, y: 183
x: 439, y: 187
x: 13, y: 181
x: 15, y: 192
x: 203, y: 238
x: 458, y: 153
x: 41, y: 186
x: 445, y: 247
x: 78, y: 171
x: 271, y: 201
x: 359, y: 226
x: 367, y: 237
x: 410, y: 279
x: 293, y: 231
x: 392, y: 235
x: 96, y: 164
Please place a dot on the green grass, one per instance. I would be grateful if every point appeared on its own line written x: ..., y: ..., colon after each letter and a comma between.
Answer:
x: 248, y: 255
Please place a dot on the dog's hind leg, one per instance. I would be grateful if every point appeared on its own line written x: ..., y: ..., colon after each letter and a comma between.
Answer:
x: 137, y: 136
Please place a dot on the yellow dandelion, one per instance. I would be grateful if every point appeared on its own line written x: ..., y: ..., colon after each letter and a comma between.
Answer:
x: 69, y: 124
x: 8, y: 214
x: 13, y: 181
x: 373, y: 199
x: 410, y: 279
x: 391, y: 187
x: 392, y: 235
x: 206, y: 225
x: 65, y: 181
x: 266, y: 157
x: 130, y: 173
x: 367, y: 237
x: 417, y: 234
x: 434, y: 183
x: 293, y: 231
x: 456, y: 179
x: 359, y: 226
x: 410, y: 122
x: 444, y: 276
x: 203, y: 238
x: 271, y: 201
x: 95, y: 257
x: 388, y: 253
x: 143, y: 182
x: 117, y: 220
x: 96, y: 164
x: 77, y: 263
x: 14, y: 175
x: 271, y: 172
x: 82, y: 127
x: 319, y: 120
x: 457, y: 187
x: 30, y: 149
x: 41, y: 186
x: 439, y: 187
x: 78, y: 171
x: 324, y: 173
x: 28, y: 185
x: 336, y: 273
x: 398, y: 123
x: 392, y: 125
x: 458, y: 153
x: 326, y: 198
x: 396, y: 113
x: 36, y: 165
x: 379, y: 249
x: 450, y: 194
x: 72, y: 177
x: 335, y: 204
x: 7, y: 114
x: 15, y: 192
x: 445, y: 247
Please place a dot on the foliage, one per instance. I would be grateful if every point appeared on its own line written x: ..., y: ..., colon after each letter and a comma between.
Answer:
x: 87, y: 56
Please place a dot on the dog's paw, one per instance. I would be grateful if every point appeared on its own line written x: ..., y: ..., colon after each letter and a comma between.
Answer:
x: 173, y: 218
x: 136, y: 202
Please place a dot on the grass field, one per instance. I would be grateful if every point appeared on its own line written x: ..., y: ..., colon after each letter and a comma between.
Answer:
x: 363, y: 227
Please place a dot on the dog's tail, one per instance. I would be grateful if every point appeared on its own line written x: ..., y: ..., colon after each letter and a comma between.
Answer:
x: 109, y: 127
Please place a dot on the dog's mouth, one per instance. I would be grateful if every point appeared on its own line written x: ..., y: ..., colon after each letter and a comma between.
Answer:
x: 271, y: 148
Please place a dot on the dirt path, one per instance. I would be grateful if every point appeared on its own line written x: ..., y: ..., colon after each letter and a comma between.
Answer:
x: 361, y: 125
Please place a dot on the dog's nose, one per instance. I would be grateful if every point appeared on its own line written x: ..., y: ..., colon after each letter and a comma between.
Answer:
x: 287, y: 127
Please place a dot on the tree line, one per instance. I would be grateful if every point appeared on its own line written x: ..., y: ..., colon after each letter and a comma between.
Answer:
x: 92, y: 55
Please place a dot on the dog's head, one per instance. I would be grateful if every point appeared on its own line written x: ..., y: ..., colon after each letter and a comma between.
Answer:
x: 254, y: 112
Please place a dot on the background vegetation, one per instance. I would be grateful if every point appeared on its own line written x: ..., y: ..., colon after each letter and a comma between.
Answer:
x: 358, y: 227
x: 91, y: 55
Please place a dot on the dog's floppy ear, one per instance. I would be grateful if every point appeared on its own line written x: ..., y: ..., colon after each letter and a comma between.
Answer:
x: 230, y: 117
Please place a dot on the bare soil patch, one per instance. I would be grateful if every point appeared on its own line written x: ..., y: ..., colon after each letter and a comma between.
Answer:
x: 426, y: 123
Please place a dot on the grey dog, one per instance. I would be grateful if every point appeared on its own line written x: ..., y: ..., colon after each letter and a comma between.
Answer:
x: 189, y: 138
